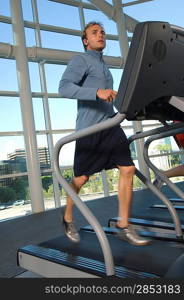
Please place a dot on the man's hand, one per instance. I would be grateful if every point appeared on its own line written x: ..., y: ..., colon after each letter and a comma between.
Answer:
x: 106, y: 95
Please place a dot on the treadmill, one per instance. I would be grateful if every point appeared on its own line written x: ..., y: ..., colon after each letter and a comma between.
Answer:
x: 158, y: 219
x: 151, y: 87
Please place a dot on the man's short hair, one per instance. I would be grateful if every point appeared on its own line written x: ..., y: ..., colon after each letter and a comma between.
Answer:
x: 84, y: 35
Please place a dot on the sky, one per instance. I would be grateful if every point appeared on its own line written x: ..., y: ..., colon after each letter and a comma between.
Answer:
x: 63, y: 111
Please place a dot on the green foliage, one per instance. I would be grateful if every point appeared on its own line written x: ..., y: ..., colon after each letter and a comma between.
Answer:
x: 68, y: 174
x: 94, y: 185
x: 46, y: 182
x: 7, y: 194
x: 113, y: 178
x: 175, y: 160
x: 20, y: 187
x: 163, y: 148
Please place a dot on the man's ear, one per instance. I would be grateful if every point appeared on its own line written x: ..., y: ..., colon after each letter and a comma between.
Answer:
x: 85, y: 41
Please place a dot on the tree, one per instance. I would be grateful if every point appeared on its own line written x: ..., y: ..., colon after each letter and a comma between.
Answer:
x: 20, y: 187
x: 7, y: 194
x: 46, y: 182
x: 68, y: 174
x: 163, y: 148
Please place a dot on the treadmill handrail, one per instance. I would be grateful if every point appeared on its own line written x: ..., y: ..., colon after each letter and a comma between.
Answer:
x: 117, y: 119
x: 154, y: 131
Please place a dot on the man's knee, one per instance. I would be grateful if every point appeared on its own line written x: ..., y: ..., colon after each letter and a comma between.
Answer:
x: 127, y: 171
x: 80, y: 180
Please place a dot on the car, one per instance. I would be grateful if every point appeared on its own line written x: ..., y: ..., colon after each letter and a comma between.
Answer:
x: 2, y: 207
x: 18, y: 202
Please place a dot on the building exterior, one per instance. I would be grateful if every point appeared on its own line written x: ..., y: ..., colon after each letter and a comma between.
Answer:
x: 43, y: 154
x: 16, y: 163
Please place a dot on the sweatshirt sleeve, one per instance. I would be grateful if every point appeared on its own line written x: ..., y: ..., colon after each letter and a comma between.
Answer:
x: 69, y: 86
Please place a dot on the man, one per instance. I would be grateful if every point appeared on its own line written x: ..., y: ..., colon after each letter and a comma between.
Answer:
x: 88, y: 79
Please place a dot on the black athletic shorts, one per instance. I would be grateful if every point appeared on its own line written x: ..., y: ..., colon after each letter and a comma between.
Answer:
x: 103, y: 150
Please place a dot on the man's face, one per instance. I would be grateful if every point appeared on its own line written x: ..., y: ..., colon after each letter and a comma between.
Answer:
x: 95, y: 38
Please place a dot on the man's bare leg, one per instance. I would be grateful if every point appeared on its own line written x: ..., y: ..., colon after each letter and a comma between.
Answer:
x: 69, y: 227
x: 125, y: 191
x: 77, y: 184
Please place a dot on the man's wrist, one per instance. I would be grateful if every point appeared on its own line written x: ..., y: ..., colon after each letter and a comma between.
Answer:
x: 97, y: 93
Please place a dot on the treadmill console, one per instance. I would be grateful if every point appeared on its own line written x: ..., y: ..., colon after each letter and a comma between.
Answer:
x: 153, y: 73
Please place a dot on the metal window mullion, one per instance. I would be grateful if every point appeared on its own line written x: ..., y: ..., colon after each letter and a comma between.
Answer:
x: 33, y: 167
x: 81, y: 16
x: 52, y: 28
x: 14, y: 175
x: 121, y: 28
x: 76, y: 3
x: 135, y: 2
x: 105, y: 183
x: 54, y: 56
x: 45, y: 104
x: 34, y: 94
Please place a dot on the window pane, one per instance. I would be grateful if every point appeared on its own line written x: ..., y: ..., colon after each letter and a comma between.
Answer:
x: 53, y: 76
x: 10, y: 114
x: 116, y: 74
x: 63, y: 113
x: 38, y: 114
x: 42, y: 140
x: 12, y: 158
x: 9, y: 79
x: 14, y: 198
x: 61, y: 41
x: 27, y: 10
x: 67, y: 152
x: 8, y: 145
x: 30, y: 37
x: 157, y: 11
x: 112, y: 48
x: 5, y: 8
x: 95, y: 15
x: 43, y: 152
x: 64, y: 15
x: 48, y: 192
x: 6, y: 33
x: 34, y: 77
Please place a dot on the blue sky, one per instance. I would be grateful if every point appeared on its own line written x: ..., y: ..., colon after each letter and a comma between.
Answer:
x: 63, y: 112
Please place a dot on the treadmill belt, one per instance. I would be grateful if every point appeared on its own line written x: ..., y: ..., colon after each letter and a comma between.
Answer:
x: 155, y: 258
